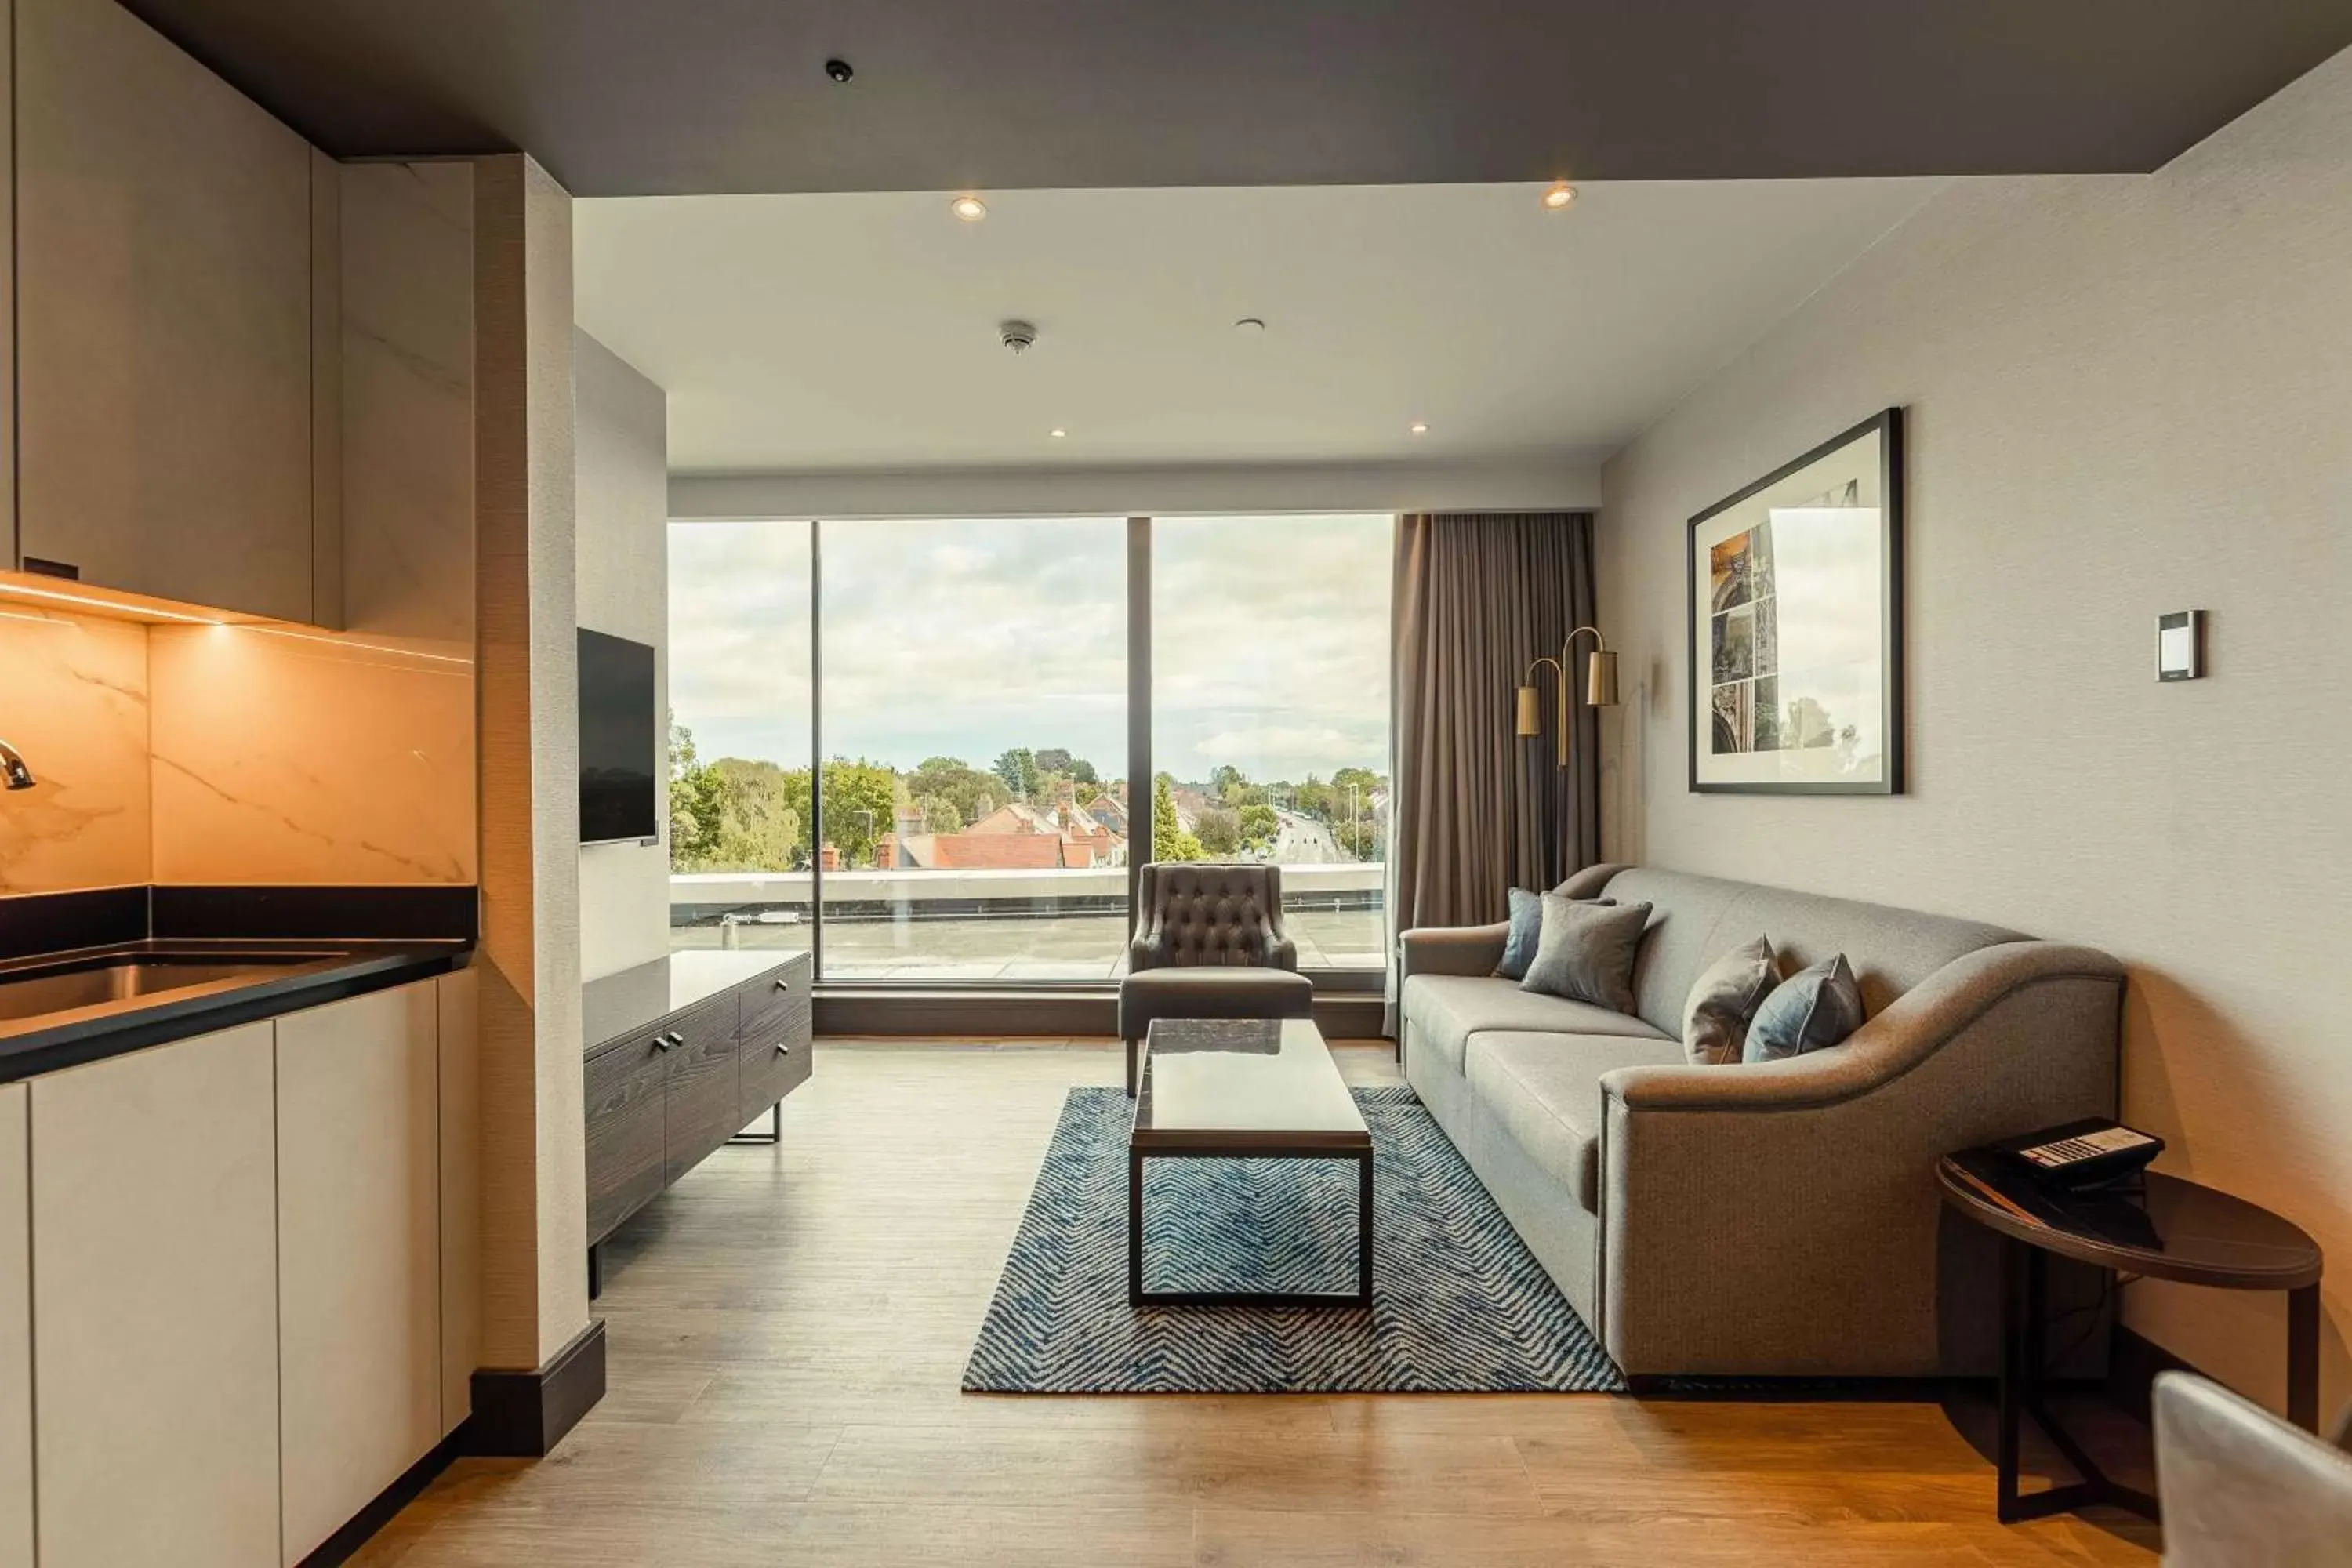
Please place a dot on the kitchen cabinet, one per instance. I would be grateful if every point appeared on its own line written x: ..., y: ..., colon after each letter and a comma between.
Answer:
x: 164, y: 354
x: 154, y: 1223
x: 15, y: 1333
x: 359, y: 1238
x: 458, y: 998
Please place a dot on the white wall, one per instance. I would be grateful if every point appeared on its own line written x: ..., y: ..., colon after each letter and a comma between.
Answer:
x: 621, y: 436
x: 2127, y: 395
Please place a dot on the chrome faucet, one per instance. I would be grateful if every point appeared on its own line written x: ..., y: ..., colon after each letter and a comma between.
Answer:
x: 13, y: 768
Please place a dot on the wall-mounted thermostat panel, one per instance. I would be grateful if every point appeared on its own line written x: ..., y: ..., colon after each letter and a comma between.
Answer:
x: 2181, y: 646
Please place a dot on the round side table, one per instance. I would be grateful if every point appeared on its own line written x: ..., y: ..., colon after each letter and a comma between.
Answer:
x: 2159, y: 1228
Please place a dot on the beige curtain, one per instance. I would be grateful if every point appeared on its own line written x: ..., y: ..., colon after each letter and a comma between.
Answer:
x: 1476, y: 810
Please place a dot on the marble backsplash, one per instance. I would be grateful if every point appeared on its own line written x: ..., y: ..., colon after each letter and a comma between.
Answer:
x: 232, y: 754
x: 289, y: 755
x: 73, y: 700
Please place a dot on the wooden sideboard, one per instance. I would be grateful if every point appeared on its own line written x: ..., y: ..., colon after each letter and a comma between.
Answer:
x: 683, y: 1053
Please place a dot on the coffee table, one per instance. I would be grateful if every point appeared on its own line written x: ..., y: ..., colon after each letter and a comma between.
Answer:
x: 1247, y: 1089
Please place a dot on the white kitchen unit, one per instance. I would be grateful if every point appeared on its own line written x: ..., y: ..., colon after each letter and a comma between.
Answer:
x: 165, y: 240
x: 16, y: 1334
x: 461, y: 1193
x: 358, y: 1239
x: 154, y: 1232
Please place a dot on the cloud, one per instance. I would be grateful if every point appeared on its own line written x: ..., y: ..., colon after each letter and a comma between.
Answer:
x: 963, y: 638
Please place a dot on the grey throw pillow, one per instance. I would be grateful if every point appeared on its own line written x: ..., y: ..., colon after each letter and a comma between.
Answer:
x: 1723, y: 1002
x: 1526, y: 924
x: 1527, y: 927
x: 1816, y: 1007
x: 1585, y: 952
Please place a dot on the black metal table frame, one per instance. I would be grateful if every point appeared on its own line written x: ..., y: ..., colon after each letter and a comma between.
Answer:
x: 1137, y: 1296
x: 2024, y: 1289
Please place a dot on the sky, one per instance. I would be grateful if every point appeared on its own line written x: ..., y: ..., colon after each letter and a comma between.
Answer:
x: 962, y: 638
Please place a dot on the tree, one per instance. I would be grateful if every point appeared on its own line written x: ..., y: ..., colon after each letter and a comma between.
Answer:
x: 973, y: 793
x: 1054, y: 760
x: 1082, y: 772
x: 1225, y: 779
x: 1169, y: 839
x: 940, y: 813
x: 760, y: 826
x: 694, y: 806
x: 1219, y: 828
x: 1260, y: 827
x: 1018, y: 768
x: 860, y: 799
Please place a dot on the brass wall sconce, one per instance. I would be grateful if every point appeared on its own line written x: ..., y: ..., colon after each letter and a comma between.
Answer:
x: 1600, y: 686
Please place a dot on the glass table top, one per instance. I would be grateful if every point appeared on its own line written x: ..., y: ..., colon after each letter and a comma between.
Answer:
x: 1255, y: 1082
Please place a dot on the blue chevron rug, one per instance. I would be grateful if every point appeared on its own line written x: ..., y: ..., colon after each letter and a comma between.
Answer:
x: 1458, y: 1303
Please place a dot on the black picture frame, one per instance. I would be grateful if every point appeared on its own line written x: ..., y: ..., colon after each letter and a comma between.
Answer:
x: 1887, y: 427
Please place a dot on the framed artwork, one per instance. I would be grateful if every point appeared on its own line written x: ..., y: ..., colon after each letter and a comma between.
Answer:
x: 1796, y: 624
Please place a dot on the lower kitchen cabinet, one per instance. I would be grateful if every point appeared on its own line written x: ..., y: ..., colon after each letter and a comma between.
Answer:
x: 154, y: 1236
x: 15, y: 1333
x: 359, y: 1241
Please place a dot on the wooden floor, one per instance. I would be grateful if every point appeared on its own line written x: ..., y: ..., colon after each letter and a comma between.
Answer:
x: 787, y: 1329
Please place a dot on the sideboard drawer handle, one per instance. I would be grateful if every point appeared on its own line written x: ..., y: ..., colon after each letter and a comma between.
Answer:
x: 783, y: 985
x: 783, y: 1050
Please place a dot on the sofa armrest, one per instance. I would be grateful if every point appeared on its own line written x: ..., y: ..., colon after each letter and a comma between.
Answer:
x: 1805, y: 1190
x: 1911, y: 1028
x: 1451, y: 949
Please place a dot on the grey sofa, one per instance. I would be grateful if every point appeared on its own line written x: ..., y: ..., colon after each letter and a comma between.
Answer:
x: 1781, y: 1219
x: 1208, y: 943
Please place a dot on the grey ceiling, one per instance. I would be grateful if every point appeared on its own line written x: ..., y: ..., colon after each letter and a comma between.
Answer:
x: 655, y: 97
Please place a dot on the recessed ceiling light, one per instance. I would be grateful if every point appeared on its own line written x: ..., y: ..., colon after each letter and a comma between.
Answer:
x: 1058, y: 434
x: 839, y: 70
x: 1418, y: 428
x: 971, y: 209
x: 1560, y: 195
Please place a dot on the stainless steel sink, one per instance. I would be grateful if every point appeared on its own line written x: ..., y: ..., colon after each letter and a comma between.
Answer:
x: 130, y: 979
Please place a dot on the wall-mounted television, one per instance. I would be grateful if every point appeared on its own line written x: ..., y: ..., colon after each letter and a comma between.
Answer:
x: 620, y: 740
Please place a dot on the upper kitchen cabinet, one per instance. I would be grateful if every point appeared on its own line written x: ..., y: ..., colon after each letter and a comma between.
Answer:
x: 164, y: 285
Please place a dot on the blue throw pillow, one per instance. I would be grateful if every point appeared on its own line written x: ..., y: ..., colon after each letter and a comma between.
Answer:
x: 1527, y: 925
x: 1814, y: 1008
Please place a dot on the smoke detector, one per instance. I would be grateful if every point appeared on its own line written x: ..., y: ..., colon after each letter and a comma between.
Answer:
x: 1017, y: 335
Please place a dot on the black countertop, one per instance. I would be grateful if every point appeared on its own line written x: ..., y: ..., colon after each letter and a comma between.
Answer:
x: 326, y: 970
x: 623, y: 1003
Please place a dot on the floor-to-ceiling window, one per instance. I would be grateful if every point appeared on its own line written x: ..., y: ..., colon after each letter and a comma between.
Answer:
x: 973, y: 712
x: 1270, y: 712
x: 740, y: 810
x: 966, y: 685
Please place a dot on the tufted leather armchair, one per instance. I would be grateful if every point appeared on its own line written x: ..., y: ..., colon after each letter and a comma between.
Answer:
x: 1208, y: 944
x: 1194, y: 913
